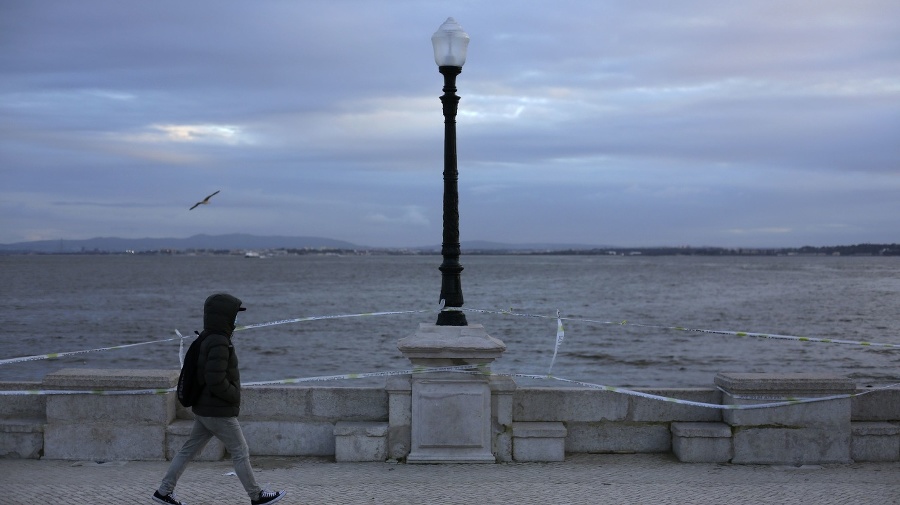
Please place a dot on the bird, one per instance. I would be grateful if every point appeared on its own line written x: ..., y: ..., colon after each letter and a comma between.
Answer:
x: 204, y: 201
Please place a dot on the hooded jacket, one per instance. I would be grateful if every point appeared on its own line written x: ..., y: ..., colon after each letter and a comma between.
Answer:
x: 217, y: 367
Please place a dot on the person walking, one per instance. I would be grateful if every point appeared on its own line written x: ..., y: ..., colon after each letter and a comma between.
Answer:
x: 217, y: 408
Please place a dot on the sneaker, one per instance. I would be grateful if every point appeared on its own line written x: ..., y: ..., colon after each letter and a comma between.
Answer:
x: 168, y: 499
x: 268, y: 497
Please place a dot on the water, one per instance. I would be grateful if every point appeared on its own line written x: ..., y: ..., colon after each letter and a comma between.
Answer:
x: 68, y: 303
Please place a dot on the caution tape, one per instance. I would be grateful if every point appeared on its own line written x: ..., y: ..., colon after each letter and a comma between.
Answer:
x: 181, y: 338
x: 98, y: 392
x: 781, y: 403
x: 457, y: 368
x: 695, y: 330
x: 320, y: 318
x: 510, y: 312
x: 560, y: 336
x: 749, y: 334
x: 72, y: 353
x: 481, y: 369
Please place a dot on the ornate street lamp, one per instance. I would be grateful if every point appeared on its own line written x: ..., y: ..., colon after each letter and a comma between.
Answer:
x: 450, y: 43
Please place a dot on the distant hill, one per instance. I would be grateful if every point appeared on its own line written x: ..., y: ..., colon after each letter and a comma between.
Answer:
x: 484, y: 245
x: 214, y: 242
x: 238, y: 241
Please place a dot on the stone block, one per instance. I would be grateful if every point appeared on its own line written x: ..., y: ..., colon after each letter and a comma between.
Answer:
x: 399, y: 401
x: 875, y: 441
x: 569, y: 405
x: 28, y: 406
x: 350, y: 404
x: 502, y: 390
x: 435, y: 346
x: 360, y: 441
x: 883, y: 405
x: 122, y: 409
x: 274, y: 403
x: 451, y: 420
x: 802, y: 433
x: 759, y: 388
x: 177, y: 434
x: 618, y: 437
x: 105, y: 442
x: 648, y: 410
x: 399, y: 391
x: 502, y: 394
x: 110, y: 379
x: 539, y: 441
x: 701, y: 442
x: 793, y: 446
x: 834, y: 413
x: 280, y: 438
x: 21, y: 438
x: 399, y: 441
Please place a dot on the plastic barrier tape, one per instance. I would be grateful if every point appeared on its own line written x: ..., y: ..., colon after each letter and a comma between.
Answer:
x: 71, y: 353
x: 319, y: 318
x: 559, y: 339
x: 181, y: 337
x: 158, y: 391
x: 475, y: 369
x: 696, y: 330
x: 560, y: 336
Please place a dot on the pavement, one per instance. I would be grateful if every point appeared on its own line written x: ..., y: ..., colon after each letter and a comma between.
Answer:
x: 582, y: 479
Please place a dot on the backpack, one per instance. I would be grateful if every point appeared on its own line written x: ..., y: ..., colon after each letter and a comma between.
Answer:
x: 189, y: 388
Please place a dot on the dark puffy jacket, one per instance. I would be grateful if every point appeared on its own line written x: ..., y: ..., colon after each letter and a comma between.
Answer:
x: 217, y: 367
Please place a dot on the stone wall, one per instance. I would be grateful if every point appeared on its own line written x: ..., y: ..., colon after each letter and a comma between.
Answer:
x: 527, y: 423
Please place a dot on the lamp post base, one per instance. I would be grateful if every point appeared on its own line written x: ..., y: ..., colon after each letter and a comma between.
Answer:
x: 451, y: 318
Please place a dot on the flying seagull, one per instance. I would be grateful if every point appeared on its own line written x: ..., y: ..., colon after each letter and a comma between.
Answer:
x: 204, y: 201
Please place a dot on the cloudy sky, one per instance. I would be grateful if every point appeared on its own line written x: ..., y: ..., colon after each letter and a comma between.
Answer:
x: 744, y: 123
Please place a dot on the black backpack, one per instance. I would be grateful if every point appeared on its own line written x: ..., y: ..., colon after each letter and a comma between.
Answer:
x: 189, y: 387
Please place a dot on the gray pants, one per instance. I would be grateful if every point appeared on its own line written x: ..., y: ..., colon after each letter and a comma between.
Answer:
x: 229, y: 432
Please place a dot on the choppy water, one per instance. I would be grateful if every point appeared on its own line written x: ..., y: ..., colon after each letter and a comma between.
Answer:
x: 67, y: 303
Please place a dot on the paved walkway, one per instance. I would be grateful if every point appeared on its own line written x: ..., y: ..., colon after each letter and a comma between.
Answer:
x: 582, y: 479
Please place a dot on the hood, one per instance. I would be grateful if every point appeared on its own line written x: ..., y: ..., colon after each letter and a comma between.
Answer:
x: 220, y: 312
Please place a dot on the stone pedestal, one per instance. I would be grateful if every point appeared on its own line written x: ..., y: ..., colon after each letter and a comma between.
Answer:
x: 451, y: 413
x: 800, y: 434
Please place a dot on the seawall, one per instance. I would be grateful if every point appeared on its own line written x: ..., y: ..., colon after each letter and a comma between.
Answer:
x: 133, y: 415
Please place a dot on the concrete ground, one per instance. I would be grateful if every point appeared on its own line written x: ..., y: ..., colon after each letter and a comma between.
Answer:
x: 582, y: 478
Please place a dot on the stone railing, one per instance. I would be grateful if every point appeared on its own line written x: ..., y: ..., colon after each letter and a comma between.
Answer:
x: 461, y: 418
x: 527, y: 424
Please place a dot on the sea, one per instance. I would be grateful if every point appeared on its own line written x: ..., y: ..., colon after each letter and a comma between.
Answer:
x: 627, y: 321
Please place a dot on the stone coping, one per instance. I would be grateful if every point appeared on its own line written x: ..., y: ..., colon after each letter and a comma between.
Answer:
x: 539, y: 429
x: 451, y: 342
x: 774, y: 383
x: 700, y: 430
x: 111, y: 378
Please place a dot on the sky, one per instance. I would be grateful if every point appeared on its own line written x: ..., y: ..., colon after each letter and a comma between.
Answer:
x: 654, y: 123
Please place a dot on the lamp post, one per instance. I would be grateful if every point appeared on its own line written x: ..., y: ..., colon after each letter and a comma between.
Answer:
x: 450, y: 43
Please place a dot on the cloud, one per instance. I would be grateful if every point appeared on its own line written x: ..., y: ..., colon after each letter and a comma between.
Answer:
x: 579, y: 121
x: 191, y: 133
x: 406, y: 216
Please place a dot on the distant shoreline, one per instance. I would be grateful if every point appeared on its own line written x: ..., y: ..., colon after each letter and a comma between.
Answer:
x: 851, y: 250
